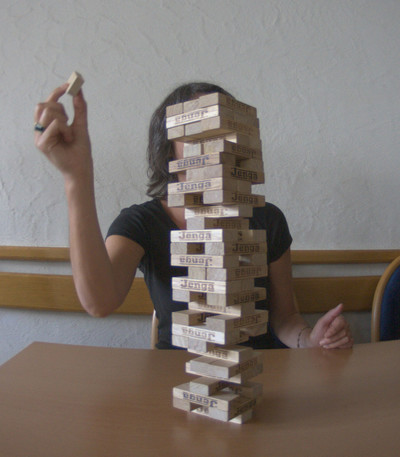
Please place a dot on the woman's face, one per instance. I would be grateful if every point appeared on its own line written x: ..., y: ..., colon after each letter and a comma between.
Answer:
x: 178, y: 145
x: 178, y: 149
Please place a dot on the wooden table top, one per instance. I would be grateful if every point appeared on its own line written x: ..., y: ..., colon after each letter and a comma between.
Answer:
x: 62, y: 400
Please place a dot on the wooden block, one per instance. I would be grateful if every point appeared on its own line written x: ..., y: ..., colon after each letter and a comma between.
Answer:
x: 240, y: 411
x: 251, y: 164
x: 186, y: 295
x: 179, y: 200
x: 205, y: 261
x: 196, y: 345
x: 240, y: 378
x: 216, y: 126
x: 247, y: 374
x: 243, y: 418
x: 188, y: 117
x: 255, y: 330
x: 241, y: 151
x: 191, y: 105
x: 203, y: 160
x: 225, y: 171
x: 186, y: 248
x: 199, y: 114
x: 253, y: 259
x: 207, y: 386
x: 203, y: 223
x: 193, y: 130
x: 231, y: 197
x: 241, y: 297
x: 201, y: 346
x: 240, y: 210
x: 223, y: 369
x: 220, y: 124
x: 200, y: 332
x: 75, y: 82
x: 179, y: 341
x: 182, y: 404
x: 192, y: 148
x: 231, y: 274
x: 222, y: 100
x: 197, y: 273
x: 223, y: 400
x: 248, y: 389
x: 176, y: 132
x: 242, y: 248
x: 173, y: 110
x: 191, y: 116
x: 217, y: 98
x: 230, y: 102
x: 235, y: 354
x: 234, y: 310
x: 237, y: 144
x: 223, y: 323
x: 245, y: 119
x: 218, y: 235
x: 240, y: 138
x: 195, y: 187
x: 210, y: 386
x: 188, y: 317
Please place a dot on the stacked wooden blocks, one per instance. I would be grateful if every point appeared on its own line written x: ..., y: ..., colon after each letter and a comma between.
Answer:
x: 222, y: 159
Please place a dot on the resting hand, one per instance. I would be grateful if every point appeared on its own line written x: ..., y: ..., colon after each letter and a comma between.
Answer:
x: 332, y: 331
x: 66, y: 146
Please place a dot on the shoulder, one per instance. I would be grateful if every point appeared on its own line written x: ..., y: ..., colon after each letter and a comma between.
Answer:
x: 273, y: 221
x: 136, y: 219
x: 266, y: 215
x: 143, y: 209
x: 143, y: 213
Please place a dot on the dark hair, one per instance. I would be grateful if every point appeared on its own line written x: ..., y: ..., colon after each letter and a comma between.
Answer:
x: 159, y: 149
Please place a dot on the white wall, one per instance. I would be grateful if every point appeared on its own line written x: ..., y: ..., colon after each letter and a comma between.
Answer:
x: 324, y: 75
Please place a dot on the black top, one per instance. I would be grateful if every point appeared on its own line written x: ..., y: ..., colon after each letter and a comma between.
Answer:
x: 149, y: 225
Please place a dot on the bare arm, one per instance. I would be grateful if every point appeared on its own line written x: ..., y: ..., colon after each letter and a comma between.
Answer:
x: 102, y: 275
x: 285, y: 317
x: 331, y: 330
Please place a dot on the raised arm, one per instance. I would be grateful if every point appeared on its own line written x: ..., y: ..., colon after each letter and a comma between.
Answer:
x: 102, y: 275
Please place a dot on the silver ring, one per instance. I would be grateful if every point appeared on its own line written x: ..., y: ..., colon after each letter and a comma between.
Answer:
x: 39, y: 127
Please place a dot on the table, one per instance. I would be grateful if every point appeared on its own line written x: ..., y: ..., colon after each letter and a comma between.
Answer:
x: 63, y: 400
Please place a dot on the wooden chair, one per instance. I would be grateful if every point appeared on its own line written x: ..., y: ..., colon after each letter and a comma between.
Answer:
x: 385, y: 316
x: 154, y: 331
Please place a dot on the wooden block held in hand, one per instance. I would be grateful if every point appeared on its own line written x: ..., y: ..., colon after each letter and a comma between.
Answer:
x: 75, y: 83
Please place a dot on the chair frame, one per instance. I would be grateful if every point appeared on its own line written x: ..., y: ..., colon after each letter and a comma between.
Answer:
x: 377, y: 300
x: 154, y: 331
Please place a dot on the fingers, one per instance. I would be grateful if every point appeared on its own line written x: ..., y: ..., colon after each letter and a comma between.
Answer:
x: 336, y: 326
x: 57, y: 93
x: 52, y: 116
x: 45, y: 113
x: 80, y: 111
x: 346, y: 342
x: 338, y: 335
x: 56, y: 129
x: 331, y: 315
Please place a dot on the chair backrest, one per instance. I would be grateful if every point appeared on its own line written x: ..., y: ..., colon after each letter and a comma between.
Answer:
x: 154, y: 331
x: 385, y: 317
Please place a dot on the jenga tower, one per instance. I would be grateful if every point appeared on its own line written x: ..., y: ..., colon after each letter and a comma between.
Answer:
x: 222, y: 159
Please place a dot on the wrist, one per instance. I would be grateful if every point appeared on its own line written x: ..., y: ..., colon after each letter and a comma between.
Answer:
x: 303, y: 337
x: 79, y: 182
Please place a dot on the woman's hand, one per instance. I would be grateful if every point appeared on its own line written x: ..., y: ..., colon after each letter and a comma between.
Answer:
x: 66, y: 146
x: 332, y: 331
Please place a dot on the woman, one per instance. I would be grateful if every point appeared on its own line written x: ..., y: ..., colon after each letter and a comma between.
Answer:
x: 103, y: 271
